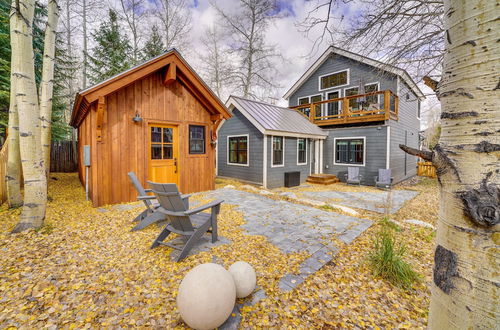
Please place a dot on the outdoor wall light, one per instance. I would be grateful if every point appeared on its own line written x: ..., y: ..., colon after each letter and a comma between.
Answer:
x: 137, y: 118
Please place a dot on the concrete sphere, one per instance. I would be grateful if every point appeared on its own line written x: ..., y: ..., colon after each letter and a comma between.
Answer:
x: 206, y: 297
x: 244, y: 278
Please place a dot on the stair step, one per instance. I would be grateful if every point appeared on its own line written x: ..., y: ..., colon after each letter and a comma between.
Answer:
x: 322, y: 179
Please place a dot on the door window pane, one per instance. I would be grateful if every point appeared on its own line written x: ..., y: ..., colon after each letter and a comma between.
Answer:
x: 371, y: 99
x: 353, y: 102
x: 333, y: 108
x: 156, y: 134
x: 168, y: 152
x: 167, y: 135
x: 156, y: 151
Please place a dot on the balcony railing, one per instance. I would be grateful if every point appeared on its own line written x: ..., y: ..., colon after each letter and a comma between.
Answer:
x: 373, y: 106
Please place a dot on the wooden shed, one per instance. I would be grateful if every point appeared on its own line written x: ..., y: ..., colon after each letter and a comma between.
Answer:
x: 158, y: 119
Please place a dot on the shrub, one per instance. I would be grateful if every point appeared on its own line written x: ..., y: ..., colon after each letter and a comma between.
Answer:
x: 387, y: 261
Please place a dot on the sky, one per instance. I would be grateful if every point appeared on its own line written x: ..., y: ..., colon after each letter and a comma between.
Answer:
x: 297, y: 50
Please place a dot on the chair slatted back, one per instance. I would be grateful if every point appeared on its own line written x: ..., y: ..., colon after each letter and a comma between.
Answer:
x: 170, y: 199
x: 384, y: 175
x: 353, y: 173
x: 140, y: 189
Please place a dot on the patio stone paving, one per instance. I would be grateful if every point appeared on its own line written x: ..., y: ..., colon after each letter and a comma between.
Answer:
x: 371, y: 201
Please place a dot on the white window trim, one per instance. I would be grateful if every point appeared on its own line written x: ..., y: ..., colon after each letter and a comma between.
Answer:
x: 349, y: 138
x: 248, y: 150
x: 334, y: 87
x: 298, y: 163
x: 272, y: 151
x: 325, y: 98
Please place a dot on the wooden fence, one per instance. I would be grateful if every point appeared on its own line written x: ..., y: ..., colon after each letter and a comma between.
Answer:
x: 426, y: 169
x: 63, y: 157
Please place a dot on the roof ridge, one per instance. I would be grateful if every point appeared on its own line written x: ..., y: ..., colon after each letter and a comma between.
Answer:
x: 261, y: 102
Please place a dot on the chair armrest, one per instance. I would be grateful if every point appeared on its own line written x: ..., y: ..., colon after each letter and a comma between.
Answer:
x: 171, y: 213
x: 141, y: 198
x: 204, y: 207
x: 186, y: 196
x: 148, y: 190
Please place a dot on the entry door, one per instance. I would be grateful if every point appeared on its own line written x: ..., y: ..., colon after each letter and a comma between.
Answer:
x: 163, y: 154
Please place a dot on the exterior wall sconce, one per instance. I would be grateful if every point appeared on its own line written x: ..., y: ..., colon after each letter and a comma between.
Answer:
x: 137, y: 118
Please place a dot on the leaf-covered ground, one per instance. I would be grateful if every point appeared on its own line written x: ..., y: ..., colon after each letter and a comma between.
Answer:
x: 84, y: 268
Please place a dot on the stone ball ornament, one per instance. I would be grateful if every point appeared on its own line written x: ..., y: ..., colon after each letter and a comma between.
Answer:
x: 206, y: 296
x: 244, y: 278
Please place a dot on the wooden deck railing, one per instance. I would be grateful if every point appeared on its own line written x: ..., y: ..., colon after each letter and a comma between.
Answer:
x: 374, y: 106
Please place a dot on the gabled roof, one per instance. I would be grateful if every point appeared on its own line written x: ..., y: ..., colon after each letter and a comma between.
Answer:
x: 274, y: 120
x: 363, y: 59
x: 185, y: 74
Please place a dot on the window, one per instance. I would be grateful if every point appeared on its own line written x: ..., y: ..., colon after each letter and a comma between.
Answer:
x: 302, y: 101
x: 349, y: 151
x: 301, y: 151
x: 162, y: 143
x: 196, y: 139
x: 278, y: 151
x: 418, y: 109
x: 372, y: 99
x: 238, y: 150
x: 334, y: 80
x: 353, y: 103
x: 311, y: 99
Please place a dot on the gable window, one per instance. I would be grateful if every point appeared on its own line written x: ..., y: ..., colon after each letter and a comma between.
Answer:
x: 349, y: 151
x: 237, y: 150
x: 301, y: 151
x: 335, y: 79
x: 278, y: 151
x: 196, y: 139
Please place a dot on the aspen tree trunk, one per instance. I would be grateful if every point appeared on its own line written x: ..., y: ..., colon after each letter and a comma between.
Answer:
x: 466, y: 282
x: 13, y: 177
x: 47, y: 84
x: 35, y: 181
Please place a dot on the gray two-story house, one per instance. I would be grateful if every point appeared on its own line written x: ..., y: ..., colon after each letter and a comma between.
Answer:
x: 363, y: 108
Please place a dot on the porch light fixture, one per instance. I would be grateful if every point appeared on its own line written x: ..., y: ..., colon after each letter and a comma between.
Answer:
x: 137, y: 118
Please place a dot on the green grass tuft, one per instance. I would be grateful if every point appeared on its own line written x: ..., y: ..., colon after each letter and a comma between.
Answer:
x: 387, y: 258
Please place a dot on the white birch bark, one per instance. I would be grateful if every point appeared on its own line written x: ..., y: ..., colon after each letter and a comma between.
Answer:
x: 13, y: 177
x: 35, y: 182
x: 466, y: 282
x: 47, y: 84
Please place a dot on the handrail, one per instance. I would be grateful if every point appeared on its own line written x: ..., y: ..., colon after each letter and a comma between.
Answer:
x: 389, y: 110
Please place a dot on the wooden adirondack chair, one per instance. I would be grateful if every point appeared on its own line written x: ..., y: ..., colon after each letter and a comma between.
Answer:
x: 384, y: 178
x: 182, y: 219
x: 149, y: 216
x: 353, y: 176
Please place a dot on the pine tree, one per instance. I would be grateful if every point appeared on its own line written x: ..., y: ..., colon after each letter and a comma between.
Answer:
x: 112, y: 53
x: 154, y: 45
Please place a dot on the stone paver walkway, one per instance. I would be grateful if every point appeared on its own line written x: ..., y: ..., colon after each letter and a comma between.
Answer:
x: 371, y: 201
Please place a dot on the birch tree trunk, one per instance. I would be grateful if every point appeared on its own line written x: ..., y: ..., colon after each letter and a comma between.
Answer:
x: 35, y: 181
x: 13, y: 177
x: 465, y: 288
x: 47, y: 84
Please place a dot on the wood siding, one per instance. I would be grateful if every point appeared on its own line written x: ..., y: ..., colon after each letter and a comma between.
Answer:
x: 124, y: 145
x: 239, y: 125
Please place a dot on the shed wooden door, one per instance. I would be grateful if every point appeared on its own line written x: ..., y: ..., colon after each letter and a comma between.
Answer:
x: 163, y: 154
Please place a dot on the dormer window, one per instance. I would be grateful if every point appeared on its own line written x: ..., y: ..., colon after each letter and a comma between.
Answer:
x: 334, y: 79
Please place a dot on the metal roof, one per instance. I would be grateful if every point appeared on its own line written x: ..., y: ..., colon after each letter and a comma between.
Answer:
x: 271, y: 119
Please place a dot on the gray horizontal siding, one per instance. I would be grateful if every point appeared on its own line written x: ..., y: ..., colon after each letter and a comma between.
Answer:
x: 358, y: 71
x: 404, y: 131
x: 276, y: 175
x: 239, y: 125
x: 376, y: 151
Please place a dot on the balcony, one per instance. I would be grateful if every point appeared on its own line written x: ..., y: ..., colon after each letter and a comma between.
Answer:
x: 361, y: 108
